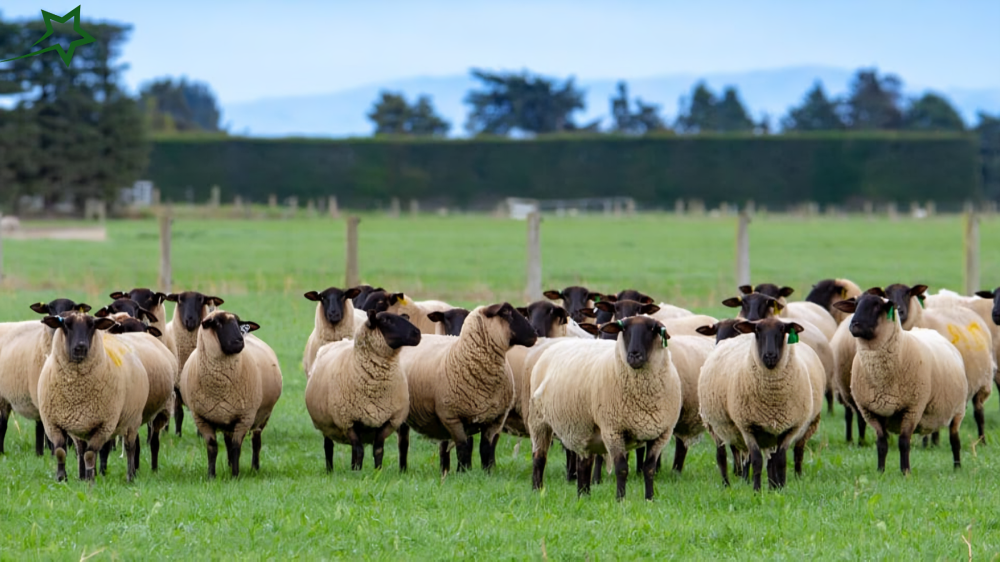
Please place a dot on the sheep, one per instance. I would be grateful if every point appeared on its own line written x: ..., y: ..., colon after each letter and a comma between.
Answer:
x: 334, y: 321
x: 986, y: 304
x: 677, y: 325
x: 231, y: 383
x: 815, y: 314
x: 449, y: 322
x: 399, y: 303
x: 726, y: 329
x: 191, y: 309
x: 23, y: 349
x: 462, y: 386
x: 844, y: 349
x: 575, y: 300
x: 161, y: 370
x: 965, y: 329
x: 603, y: 397
x: 756, y: 394
x: 357, y: 393
x: 153, y: 302
x: 363, y: 291
x: 91, y: 388
x: 757, y: 306
x: 903, y: 382
x: 829, y: 291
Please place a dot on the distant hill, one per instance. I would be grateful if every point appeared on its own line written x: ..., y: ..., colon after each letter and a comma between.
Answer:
x: 340, y: 114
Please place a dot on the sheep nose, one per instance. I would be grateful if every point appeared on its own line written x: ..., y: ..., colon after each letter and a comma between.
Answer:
x: 80, y: 349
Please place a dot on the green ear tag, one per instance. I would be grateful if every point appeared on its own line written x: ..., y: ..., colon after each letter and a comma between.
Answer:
x: 921, y: 299
x: 663, y: 336
x: 597, y: 300
x: 891, y: 315
x: 793, y: 337
x: 621, y: 324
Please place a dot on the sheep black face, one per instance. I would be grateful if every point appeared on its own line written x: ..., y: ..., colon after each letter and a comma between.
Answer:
x: 575, y: 300
x: 59, y: 306
x: 358, y: 300
x: 128, y: 306
x: 132, y: 325
x: 544, y: 316
x: 145, y: 298
x: 333, y: 300
x: 900, y: 296
x: 723, y: 330
x: 633, y: 295
x: 755, y: 306
x: 192, y: 307
x: 78, y: 329
x: 768, y: 289
x: 640, y: 335
x: 452, y: 320
x: 622, y: 309
x: 380, y: 300
x: 869, y: 310
x: 770, y: 334
x: 995, y: 295
x: 396, y: 330
x: 521, y: 332
x: 230, y: 331
x: 826, y: 292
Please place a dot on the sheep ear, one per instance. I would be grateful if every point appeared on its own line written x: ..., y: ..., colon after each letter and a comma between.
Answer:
x: 734, y: 302
x: 876, y: 291
x: 104, y: 324
x: 247, y: 327
x: 492, y: 310
x: 214, y: 300
x: 985, y: 294
x: 149, y: 315
x: 611, y: 328
x: 746, y: 289
x: 595, y: 297
x: 52, y: 321
x: 312, y: 295
x: 160, y: 297
x: 649, y: 309
x: 793, y: 327
x: 786, y: 291
x: 609, y: 298
x: 522, y: 310
x: 153, y: 331
x: 351, y: 293
x: 745, y: 327
x: 554, y: 295
x: 207, y: 323
x: 172, y: 297
x: 436, y: 316
x: 40, y: 307
x: 116, y: 329
x: 102, y: 313
x: 778, y: 307
x: 82, y: 307
x: 590, y: 329
x: 849, y: 305
x: 606, y: 306
x: 708, y: 330
x: 646, y: 300
x: 562, y: 315
x: 918, y: 290
x: 371, y: 318
x: 117, y: 295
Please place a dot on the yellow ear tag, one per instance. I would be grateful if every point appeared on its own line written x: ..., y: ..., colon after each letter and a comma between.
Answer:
x: 403, y: 302
x: 775, y: 308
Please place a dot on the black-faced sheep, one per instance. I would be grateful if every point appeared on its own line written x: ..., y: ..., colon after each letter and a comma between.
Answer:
x: 153, y: 302
x: 231, y: 383
x: 398, y: 303
x: 904, y: 382
x: 830, y: 291
x: 808, y: 311
x: 334, y: 321
x: 358, y: 393
x: 449, y: 322
x: 575, y: 300
x: 191, y: 309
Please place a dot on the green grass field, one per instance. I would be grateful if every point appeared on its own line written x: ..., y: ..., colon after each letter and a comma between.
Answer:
x: 841, y: 508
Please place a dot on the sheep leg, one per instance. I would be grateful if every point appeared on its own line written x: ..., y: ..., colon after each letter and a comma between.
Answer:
x: 104, y: 453
x: 328, y: 451
x: 463, y: 452
x: 862, y: 425
x: 445, y: 458
x: 572, y: 463
x: 979, y: 413
x: 849, y: 421
x: 640, y: 459
x: 39, y: 435
x: 487, y: 449
x: 680, y: 453
x: 621, y: 473
x: 378, y: 447
x: 60, y: 454
x: 585, y: 463
x: 403, y: 442
x: 212, y: 445
x: 798, y: 455
x: 541, y: 440
x: 881, y: 440
x: 161, y: 421
x: 757, y: 462
x: 4, y: 416
x: 722, y: 462
x: 956, y: 442
x: 90, y: 458
x: 936, y: 438
x: 780, y: 458
x: 598, y: 469
x: 926, y: 441
x: 131, y: 446
x: 357, y: 448
x: 179, y: 411
x: 138, y: 449
x: 904, y: 453
x: 81, y: 449
x: 829, y: 400
x: 234, y: 446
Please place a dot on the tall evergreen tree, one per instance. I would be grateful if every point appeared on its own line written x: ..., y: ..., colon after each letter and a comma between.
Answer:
x: 817, y: 113
x: 522, y: 102
x: 645, y: 119
x: 179, y: 106
x: 392, y: 115
x: 932, y: 112
x: 874, y: 102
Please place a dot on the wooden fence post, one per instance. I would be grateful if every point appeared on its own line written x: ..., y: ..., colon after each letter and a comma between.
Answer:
x: 351, y: 277
x: 1, y: 247
x: 332, y: 208
x: 165, y: 272
x: 971, y: 253
x: 534, y: 287
x: 743, y: 250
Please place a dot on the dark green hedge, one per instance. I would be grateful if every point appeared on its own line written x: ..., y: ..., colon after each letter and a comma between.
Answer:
x: 830, y: 168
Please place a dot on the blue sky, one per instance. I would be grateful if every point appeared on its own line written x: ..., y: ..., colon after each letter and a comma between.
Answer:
x: 253, y: 49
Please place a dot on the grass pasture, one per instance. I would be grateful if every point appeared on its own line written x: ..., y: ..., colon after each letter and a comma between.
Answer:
x: 841, y: 509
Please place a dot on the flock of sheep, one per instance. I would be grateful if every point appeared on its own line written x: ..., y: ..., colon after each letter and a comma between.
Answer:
x: 602, y: 373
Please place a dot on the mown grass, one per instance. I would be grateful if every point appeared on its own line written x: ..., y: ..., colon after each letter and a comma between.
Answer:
x: 841, y: 508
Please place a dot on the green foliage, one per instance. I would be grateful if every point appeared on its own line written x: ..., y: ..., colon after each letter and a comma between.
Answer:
x: 523, y: 103
x: 932, y: 112
x: 645, y: 119
x: 392, y: 115
x: 873, y: 101
x: 828, y: 168
x: 181, y: 106
x: 292, y: 509
x: 705, y: 113
x: 817, y: 113
x: 989, y: 141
